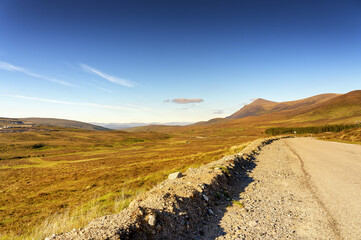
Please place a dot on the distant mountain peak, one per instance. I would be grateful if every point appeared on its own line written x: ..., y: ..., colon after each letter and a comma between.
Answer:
x: 262, y: 106
x: 261, y: 101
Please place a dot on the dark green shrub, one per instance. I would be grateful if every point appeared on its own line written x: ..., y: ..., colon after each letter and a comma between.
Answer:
x: 38, y: 145
x: 311, y: 129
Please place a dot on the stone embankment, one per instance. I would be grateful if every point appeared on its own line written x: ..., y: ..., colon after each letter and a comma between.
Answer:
x: 179, y: 207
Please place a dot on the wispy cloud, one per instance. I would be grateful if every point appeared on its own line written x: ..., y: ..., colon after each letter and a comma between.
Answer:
x: 101, y: 88
x: 166, y: 100
x: 104, y: 89
x: 12, y: 68
x: 76, y: 103
x: 187, y: 100
x: 218, y: 112
x: 106, y: 76
x: 96, y: 86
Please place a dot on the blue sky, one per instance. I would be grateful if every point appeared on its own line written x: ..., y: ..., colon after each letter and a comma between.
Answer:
x: 171, y: 61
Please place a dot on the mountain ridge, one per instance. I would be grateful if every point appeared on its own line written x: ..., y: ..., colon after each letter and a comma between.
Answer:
x: 262, y: 106
x: 63, y: 123
x: 315, y: 110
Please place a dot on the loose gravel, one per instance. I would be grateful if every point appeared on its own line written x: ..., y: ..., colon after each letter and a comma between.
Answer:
x: 276, y: 203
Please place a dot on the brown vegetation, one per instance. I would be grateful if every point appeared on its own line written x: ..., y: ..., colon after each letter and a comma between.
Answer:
x: 74, y: 172
x: 67, y: 177
x: 262, y: 106
x: 347, y: 136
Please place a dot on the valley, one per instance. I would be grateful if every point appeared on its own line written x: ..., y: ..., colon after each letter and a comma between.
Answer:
x: 61, y: 174
x: 182, y: 119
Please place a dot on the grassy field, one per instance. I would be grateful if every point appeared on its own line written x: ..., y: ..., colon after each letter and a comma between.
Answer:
x: 53, y: 181
x: 57, y: 180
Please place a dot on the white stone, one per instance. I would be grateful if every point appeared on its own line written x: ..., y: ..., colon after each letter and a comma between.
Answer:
x: 175, y: 175
x: 152, y: 220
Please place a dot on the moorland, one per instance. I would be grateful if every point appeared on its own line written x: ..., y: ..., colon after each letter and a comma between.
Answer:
x: 55, y: 177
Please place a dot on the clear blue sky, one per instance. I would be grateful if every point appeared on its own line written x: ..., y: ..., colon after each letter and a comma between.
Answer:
x: 163, y: 61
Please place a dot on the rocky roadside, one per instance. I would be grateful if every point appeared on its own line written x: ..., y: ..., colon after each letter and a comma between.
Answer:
x: 185, y: 207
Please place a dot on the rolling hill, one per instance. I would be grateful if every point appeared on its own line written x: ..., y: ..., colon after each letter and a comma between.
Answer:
x: 346, y: 106
x: 254, y: 118
x: 118, y: 126
x: 63, y: 123
x: 316, y: 110
x: 261, y: 106
x: 49, y: 172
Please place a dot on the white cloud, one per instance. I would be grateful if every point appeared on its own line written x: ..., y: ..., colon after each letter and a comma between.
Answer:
x: 166, y: 100
x: 75, y: 103
x: 218, y: 112
x: 12, y: 68
x: 100, y: 88
x: 187, y: 100
x: 108, y: 77
x: 104, y: 90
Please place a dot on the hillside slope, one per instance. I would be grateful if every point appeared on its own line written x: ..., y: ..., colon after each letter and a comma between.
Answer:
x: 344, y: 106
x: 317, y: 110
x: 342, y: 109
x: 54, y: 122
x: 262, y: 106
x: 258, y: 107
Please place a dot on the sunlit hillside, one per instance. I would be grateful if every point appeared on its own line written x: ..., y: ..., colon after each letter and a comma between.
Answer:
x: 72, y: 176
x: 53, y: 175
x: 318, y: 110
x: 261, y: 106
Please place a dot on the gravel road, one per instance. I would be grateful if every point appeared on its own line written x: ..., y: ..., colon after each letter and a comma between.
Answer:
x: 301, y: 188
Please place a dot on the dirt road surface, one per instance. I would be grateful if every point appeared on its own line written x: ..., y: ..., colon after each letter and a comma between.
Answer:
x: 301, y: 188
x: 333, y: 171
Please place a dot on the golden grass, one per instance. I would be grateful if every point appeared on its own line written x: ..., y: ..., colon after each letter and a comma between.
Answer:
x: 80, y: 175
x: 54, y: 181
x: 348, y: 136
